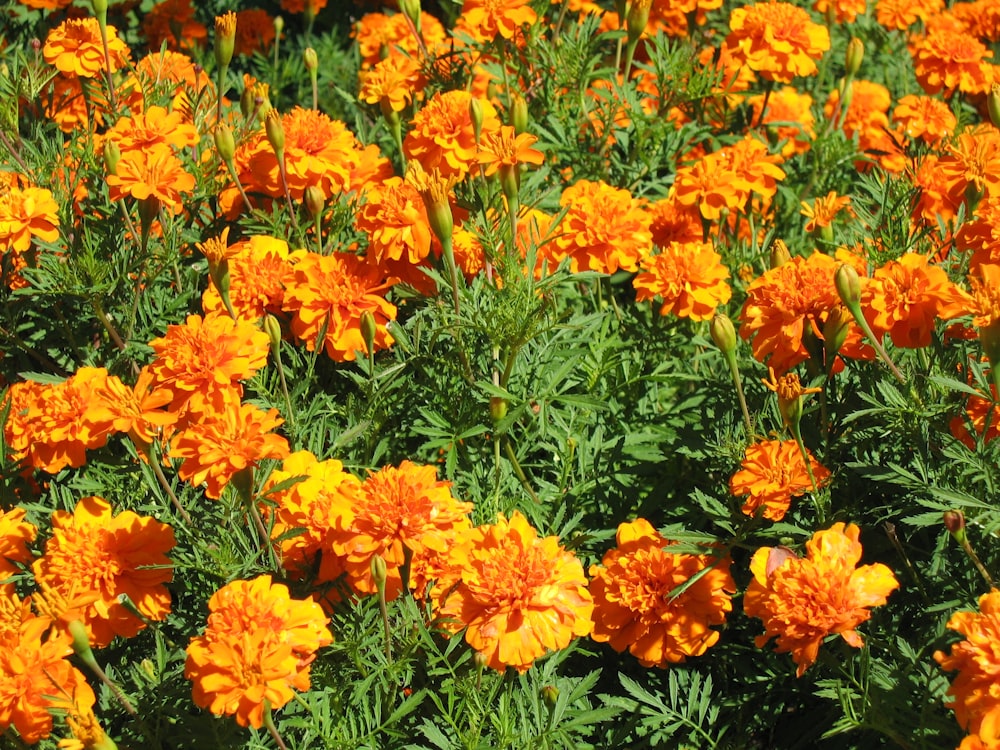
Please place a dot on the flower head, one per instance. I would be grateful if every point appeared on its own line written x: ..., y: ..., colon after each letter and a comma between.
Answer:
x: 635, y: 604
x: 777, y: 39
x: 27, y: 214
x: 74, y: 47
x: 803, y: 600
x: 485, y: 19
x: 690, y: 278
x: 949, y: 60
x: 15, y: 535
x: 442, y: 135
x: 772, y: 473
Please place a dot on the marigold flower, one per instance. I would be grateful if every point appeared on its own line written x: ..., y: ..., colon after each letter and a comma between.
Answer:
x: 484, y: 19
x: 75, y: 48
x: 822, y: 211
x: 380, y: 36
x: 399, y: 509
x: 784, y: 106
x: 226, y: 443
x: 670, y: 221
x: 173, y: 22
x: 331, y: 292
x: 136, y: 410
x: 503, y: 149
x: 442, y: 135
x: 844, y: 11
x: 258, y: 645
x: 975, y: 691
x: 634, y: 603
x: 982, y: 415
x: 25, y: 214
x: 36, y: 678
x: 152, y: 173
x: 15, y: 535
x: 257, y: 269
x: 772, y: 473
x: 514, y: 614
x: 254, y: 31
x: 972, y: 162
x: 950, y: 60
x: 154, y: 126
x: 901, y: 14
x: 604, y: 229
x: 777, y: 40
x: 803, y: 600
x: 395, y: 219
x: 202, y: 361
x: 980, y: 233
x: 690, y: 278
x: 924, y: 117
x: 391, y: 83
x: 94, y: 552
x: 303, y: 6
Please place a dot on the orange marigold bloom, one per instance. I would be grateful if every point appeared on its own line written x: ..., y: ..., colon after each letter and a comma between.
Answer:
x: 671, y: 221
x: 604, y: 229
x: 395, y: 220
x: 975, y: 691
x: 634, y: 605
x: 777, y: 40
x: 170, y: 74
x: 152, y: 127
x: 36, y: 678
x: 787, y: 105
x: 772, y: 473
x: 786, y: 303
x: 94, y: 552
x: 972, y: 162
x: 484, y: 19
x: 254, y: 31
x: 153, y: 173
x: 75, y: 48
x: 331, y: 292
x: 822, y: 211
x: 258, y: 646
x: 225, y: 444
x: 902, y: 14
x: 502, y: 150
x: 924, y: 117
x: 513, y: 614
x: 380, y: 36
x: 310, y: 512
x: 27, y: 213
x: 867, y: 116
x: 202, y: 361
x: 399, y: 509
x: 257, y: 269
x: 391, y: 83
x: 905, y: 297
x: 844, y: 11
x: 15, y: 535
x: 173, y: 22
x: 949, y: 60
x: 803, y: 600
x: 690, y: 278
x: 980, y: 234
x: 442, y: 136
x: 303, y: 6
x: 135, y: 410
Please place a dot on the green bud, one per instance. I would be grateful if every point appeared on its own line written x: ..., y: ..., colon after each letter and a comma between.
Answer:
x: 379, y: 572
x: 848, y: 285
x: 993, y: 105
x: 225, y: 39
x: 275, y: 132
x: 368, y: 330
x: 310, y: 59
x: 498, y: 408
x: 518, y: 113
x: 855, y: 54
x: 550, y: 694
x: 225, y: 144
x: 315, y: 201
x: 779, y: 254
x: 112, y: 155
x: 273, y: 330
x: 723, y: 333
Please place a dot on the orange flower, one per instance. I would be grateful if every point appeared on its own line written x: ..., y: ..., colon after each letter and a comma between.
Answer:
x: 75, y: 48
x: 787, y: 105
x: 670, y: 221
x: 786, y: 304
x: 844, y: 11
x: 981, y: 233
x: 331, y: 292
x: 173, y: 22
x: 395, y: 220
x: 202, y: 361
x: 924, y: 117
x: 442, y: 136
x: 15, y: 535
x: 309, y: 513
x: 772, y: 473
x: 982, y: 415
x: 822, y: 211
x: 258, y: 645
x: 902, y: 14
x: 975, y: 691
x: 603, y: 229
x: 777, y: 40
x: 502, y: 150
x: 254, y: 31
x: 172, y: 74
x: 514, y: 614
x: 380, y: 36
x: 867, y: 117
x: 303, y: 6
x: 93, y: 552
x: 949, y: 60
x: 391, y: 83
x: 803, y: 600
x: 972, y: 162
x: 634, y: 602
x: 36, y: 677
x: 27, y: 213
x: 153, y: 127
x: 484, y: 19
x: 398, y: 510
x: 153, y: 173
x: 690, y: 278
x: 225, y: 444
x: 257, y: 269
x: 134, y: 410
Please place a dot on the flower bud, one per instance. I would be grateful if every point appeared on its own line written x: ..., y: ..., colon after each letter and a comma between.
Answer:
x: 225, y: 144
x: 100, y: 10
x: 636, y: 18
x: 779, y: 254
x: 411, y: 9
x: 112, y: 155
x: 855, y: 54
x: 498, y: 408
x: 368, y: 330
x: 279, y: 26
x: 476, y: 116
x: 275, y: 132
x: 315, y: 201
x: 518, y: 113
x: 723, y: 333
x: 310, y: 59
x: 225, y: 38
x: 838, y: 323
x: 954, y: 521
x: 550, y: 694
x: 81, y: 641
x: 848, y: 285
x: 379, y: 572
x: 273, y: 330
x: 481, y: 660
x: 993, y: 105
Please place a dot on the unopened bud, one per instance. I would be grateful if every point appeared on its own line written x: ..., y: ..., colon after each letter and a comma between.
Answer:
x: 225, y: 144
x: 848, y: 285
x: 954, y: 521
x: 779, y: 254
x: 368, y: 330
x: 379, y: 572
x: 636, y: 18
x: 855, y: 54
x: 310, y: 59
x: 279, y: 26
x: 550, y: 694
x: 225, y: 38
x: 411, y: 9
x: 518, y: 113
x: 481, y: 660
x: 476, y: 116
x: 838, y: 323
x: 273, y: 330
x: 100, y: 10
x: 498, y: 408
x: 723, y: 333
x: 112, y: 155
x: 315, y: 201
x: 275, y: 132
x: 81, y: 641
x: 993, y: 105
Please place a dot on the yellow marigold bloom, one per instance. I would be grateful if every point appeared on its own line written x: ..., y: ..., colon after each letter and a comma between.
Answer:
x: 395, y: 219
x: 398, y: 509
x: 604, y: 229
x: 331, y: 292
x: 392, y: 82
x: 975, y: 691
x: 152, y: 127
x: 226, y: 443
x: 822, y: 211
x: 803, y: 600
x: 515, y: 614
x: 75, y: 48
x: 924, y: 117
x: 203, y: 361
x: 315, y: 507
x: 27, y: 213
x: 950, y: 60
x: 15, y: 534
x: 153, y: 173
x: 634, y: 603
x: 483, y: 20
x: 257, y: 269
x: 93, y: 552
x: 777, y: 40
x: 772, y: 473
x: 442, y: 136
x: 37, y: 678
x: 258, y: 646
x: 689, y: 278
